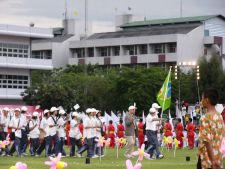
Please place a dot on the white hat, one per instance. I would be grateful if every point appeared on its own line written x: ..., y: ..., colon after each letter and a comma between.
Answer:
x: 93, y: 110
x: 88, y: 110
x: 17, y: 109
x: 74, y: 114
x: 35, y: 114
x: 152, y: 110
x: 5, y: 109
x: 23, y: 108
x: 62, y: 111
x: 131, y: 107
x: 156, y: 106
x: 46, y: 111
x: 53, y: 109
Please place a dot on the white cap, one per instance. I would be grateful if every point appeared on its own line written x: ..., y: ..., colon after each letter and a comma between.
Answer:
x: 74, y: 114
x: 156, y: 106
x: 131, y: 107
x: 17, y: 109
x: 53, y: 109
x: 35, y: 114
x: 152, y: 110
x: 88, y: 110
x: 93, y: 110
x: 62, y: 111
x: 5, y: 109
x: 46, y: 111
x: 23, y: 108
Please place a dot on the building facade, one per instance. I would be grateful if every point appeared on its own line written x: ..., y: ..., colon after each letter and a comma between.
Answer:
x: 17, y: 61
x: 154, y: 42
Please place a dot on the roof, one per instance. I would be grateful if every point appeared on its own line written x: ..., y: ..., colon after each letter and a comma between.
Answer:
x: 169, y: 29
x: 59, y: 39
x: 25, y: 31
x: 195, y: 19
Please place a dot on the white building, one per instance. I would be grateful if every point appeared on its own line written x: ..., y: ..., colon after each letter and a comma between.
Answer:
x: 153, y: 42
x: 17, y: 62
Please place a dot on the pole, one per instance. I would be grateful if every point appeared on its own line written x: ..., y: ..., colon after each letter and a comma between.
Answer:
x: 181, y: 10
x: 86, y: 18
x: 164, y: 99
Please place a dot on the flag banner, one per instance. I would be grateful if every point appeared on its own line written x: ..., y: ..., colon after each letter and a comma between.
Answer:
x: 164, y: 95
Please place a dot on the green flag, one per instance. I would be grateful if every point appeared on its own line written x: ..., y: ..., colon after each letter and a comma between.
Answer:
x: 164, y: 95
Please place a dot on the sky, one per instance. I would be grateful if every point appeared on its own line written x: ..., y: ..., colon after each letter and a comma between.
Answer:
x: 101, y: 13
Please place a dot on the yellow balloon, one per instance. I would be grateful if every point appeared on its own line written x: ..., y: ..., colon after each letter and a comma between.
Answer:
x: 60, y: 165
x: 12, y: 167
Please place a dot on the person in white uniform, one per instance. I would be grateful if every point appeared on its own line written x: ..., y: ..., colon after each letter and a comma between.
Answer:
x: 4, y: 122
x: 34, y: 133
x: 63, y: 118
x: 75, y: 134
x: 45, y: 130
x: 25, y: 132
x: 16, y: 125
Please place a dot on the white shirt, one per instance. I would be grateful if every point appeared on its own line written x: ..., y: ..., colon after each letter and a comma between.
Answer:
x: 35, y: 132
x: 88, y: 133
x: 98, y: 130
x: 61, y: 122
x: 15, y: 122
x: 5, y: 121
x: 74, y: 129
x: 151, y: 125
x: 23, y: 121
x: 52, y: 130
x: 44, y: 126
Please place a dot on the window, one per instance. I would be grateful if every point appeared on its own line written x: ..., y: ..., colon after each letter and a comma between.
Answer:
x: 45, y: 54
x: 116, y: 50
x: 158, y: 48
x: 131, y: 50
x: 12, y: 50
x: 172, y: 47
x: 79, y: 53
x: 14, y: 81
x: 104, y: 51
x: 143, y: 49
x: 90, y: 52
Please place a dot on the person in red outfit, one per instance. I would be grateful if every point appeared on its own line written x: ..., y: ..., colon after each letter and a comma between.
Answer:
x: 120, y: 132
x: 141, y: 135
x: 111, y: 134
x: 190, y: 134
x: 67, y: 133
x: 179, y: 133
x: 168, y: 131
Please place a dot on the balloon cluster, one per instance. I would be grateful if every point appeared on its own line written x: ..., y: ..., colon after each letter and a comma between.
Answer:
x: 4, y: 143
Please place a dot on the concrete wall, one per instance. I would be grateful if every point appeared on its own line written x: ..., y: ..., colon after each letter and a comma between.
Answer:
x: 216, y: 27
x: 190, y: 46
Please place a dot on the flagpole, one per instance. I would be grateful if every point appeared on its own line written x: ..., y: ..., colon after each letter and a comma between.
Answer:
x: 164, y: 99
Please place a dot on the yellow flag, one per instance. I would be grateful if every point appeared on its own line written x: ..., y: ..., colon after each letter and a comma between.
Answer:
x: 75, y: 13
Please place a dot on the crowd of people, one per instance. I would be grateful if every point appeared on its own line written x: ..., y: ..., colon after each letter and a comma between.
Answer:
x: 55, y: 128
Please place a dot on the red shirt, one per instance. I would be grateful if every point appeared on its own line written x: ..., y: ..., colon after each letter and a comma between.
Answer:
x: 120, y: 132
x: 179, y: 129
x: 111, y: 130
x: 190, y: 128
x: 140, y: 129
x: 168, y: 129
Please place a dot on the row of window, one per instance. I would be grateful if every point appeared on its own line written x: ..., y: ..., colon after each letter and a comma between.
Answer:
x: 45, y: 54
x: 14, y: 81
x: 127, y: 50
x: 14, y: 50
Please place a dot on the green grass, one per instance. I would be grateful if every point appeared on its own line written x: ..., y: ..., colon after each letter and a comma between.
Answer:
x: 110, y: 161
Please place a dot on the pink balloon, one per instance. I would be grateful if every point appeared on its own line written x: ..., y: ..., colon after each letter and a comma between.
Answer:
x: 20, y: 165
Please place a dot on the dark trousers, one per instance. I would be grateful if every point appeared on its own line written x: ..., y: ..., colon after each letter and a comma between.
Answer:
x: 54, y: 139
x: 61, y: 146
x: 44, y: 145
x: 153, y: 143
x: 74, y: 142
x: 24, y: 141
x: 34, y: 143
x: 17, y: 143
x: 89, y: 146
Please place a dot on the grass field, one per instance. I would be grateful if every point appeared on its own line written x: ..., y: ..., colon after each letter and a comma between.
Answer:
x: 110, y: 161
